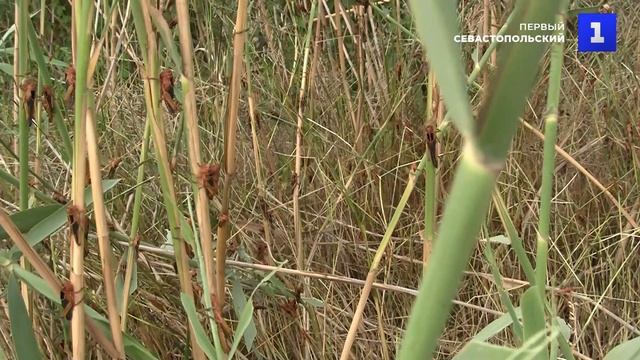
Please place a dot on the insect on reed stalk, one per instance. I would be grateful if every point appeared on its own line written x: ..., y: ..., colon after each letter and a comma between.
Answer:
x: 29, y: 87
x: 430, y: 138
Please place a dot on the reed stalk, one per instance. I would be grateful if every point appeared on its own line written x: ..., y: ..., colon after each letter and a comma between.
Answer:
x: 102, y: 228
x: 224, y: 225
x: 83, y: 15
x: 135, y: 224
x: 148, y: 45
x: 486, y: 144
x: 297, y: 219
x: 20, y: 76
x: 196, y: 164
x: 22, y: 65
x: 431, y: 180
x: 548, y: 163
x: 193, y: 141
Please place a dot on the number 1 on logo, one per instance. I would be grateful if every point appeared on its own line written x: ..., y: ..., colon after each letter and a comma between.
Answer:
x: 597, y: 36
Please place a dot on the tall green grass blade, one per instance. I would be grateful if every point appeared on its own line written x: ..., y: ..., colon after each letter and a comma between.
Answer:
x: 132, y: 347
x: 24, y: 340
x: 239, y: 304
x: 504, y: 297
x: 496, y: 326
x: 518, y: 66
x: 200, y: 333
x: 533, y: 317
x: 27, y: 219
x: 167, y: 39
x: 244, y: 321
x: 516, y: 241
x: 629, y: 350
x: 483, y: 156
x: 437, y: 24
x: 476, y: 350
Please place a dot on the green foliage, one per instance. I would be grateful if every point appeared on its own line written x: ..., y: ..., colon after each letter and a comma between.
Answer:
x: 27, y: 219
x: 628, y: 350
x: 24, y: 341
x: 53, y: 222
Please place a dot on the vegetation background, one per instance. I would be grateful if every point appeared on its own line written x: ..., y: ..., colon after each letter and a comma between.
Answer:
x: 363, y: 113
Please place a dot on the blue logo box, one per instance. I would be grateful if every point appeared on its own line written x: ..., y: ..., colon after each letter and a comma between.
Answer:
x: 596, y: 32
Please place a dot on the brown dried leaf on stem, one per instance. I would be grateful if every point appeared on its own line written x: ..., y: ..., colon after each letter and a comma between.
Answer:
x: 28, y: 88
x: 70, y: 79
x: 166, y: 88
x: 208, y: 178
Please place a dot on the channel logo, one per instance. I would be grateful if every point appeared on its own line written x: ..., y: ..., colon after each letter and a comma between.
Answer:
x: 596, y: 32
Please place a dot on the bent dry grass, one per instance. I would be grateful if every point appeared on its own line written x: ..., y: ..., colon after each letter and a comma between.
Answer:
x: 321, y: 115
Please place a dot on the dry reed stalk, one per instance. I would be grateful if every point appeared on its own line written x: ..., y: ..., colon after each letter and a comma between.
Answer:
x: 297, y: 176
x: 78, y: 179
x: 266, y: 224
x: 102, y: 230
x: 207, y: 182
x: 152, y: 98
x: 193, y: 135
x: 224, y: 225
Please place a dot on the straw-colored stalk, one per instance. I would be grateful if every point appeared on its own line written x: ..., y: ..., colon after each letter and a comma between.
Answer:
x: 193, y: 136
x: 47, y: 274
x: 20, y: 71
x: 148, y: 45
x: 83, y: 13
x: 224, y: 225
x: 300, y: 253
x: 360, y: 78
x: 431, y: 179
x: 262, y: 193
x: 102, y: 228
x: 195, y: 159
